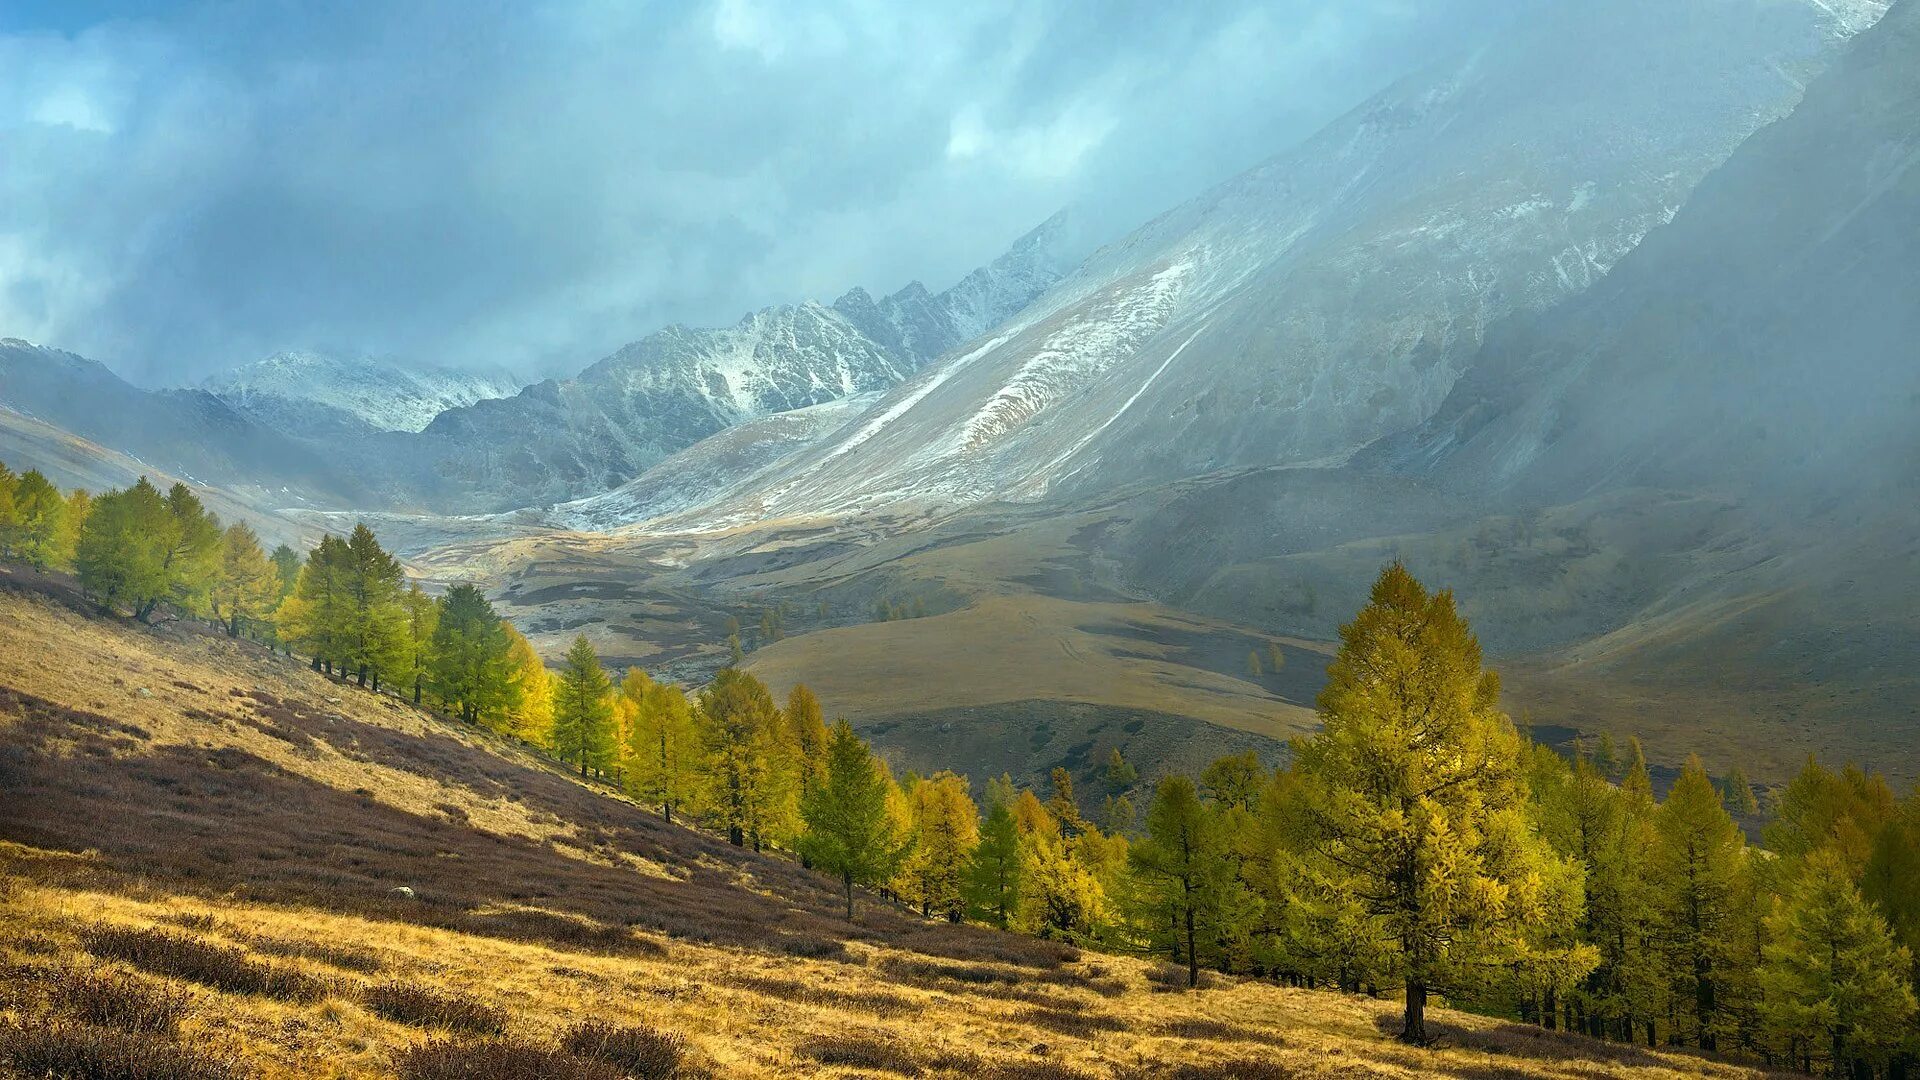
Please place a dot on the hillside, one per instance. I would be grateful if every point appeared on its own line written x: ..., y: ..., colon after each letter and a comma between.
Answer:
x: 313, y: 862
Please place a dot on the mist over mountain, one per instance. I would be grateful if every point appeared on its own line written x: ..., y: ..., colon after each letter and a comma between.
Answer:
x: 1334, y: 294
x: 318, y: 394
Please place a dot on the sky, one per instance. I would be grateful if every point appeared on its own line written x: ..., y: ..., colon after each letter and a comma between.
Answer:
x: 187, y: 187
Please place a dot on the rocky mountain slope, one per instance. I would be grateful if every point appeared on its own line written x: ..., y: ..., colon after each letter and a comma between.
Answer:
x: 1687, y: 498
x: 1334, y: 294
x: 567, y: 439
x: 316, y: 394
x: 189, y: 432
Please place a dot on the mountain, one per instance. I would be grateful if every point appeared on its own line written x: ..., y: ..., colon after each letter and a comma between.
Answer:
x: 189, y: 432
x: 919, y: 325
x: 568, y: 439
x: 1683, y: 503
x: 1334, y: 294
x: 1768, y: 339
x: 312, y: 393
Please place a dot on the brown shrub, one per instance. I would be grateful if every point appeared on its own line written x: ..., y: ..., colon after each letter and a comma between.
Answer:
x: 1164, y: 977
x: 1245, y: 1068
x: 906, y: 969
x: 975, y: 1067
x: 874, y: 1002
x: 1219, y: 1031
x: 418, y: 1006
x: 644, y: 1053
x: 344, y: 957
x: 219, y: 966
x: 860, y: 1052
x: 1071, y: 1022
x: 74, y: 1051
x: 497, y: 1059
x: 116, y: 1001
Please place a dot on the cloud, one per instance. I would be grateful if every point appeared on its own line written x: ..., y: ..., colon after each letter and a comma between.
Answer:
x: 531, y: 185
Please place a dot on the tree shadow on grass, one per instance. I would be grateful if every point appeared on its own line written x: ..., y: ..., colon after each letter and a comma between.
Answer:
x: 225, y: 821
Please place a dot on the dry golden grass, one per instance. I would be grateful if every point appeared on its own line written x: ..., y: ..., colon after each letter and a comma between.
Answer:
x: 119, y: 810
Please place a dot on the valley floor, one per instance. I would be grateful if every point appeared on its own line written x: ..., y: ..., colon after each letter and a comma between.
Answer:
x: 307, y: 851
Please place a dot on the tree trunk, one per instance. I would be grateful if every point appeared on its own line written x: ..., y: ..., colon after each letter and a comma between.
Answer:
x: 416, y: 691
x: 848, y: 879
x: 1414, y: 1030
x: 738, y: 838
x: 1193, y: 955
x: 1550, y: 1013
x: 666, y: 811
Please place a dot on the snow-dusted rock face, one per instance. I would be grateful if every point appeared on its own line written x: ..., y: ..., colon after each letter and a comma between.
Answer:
x: 562, y: 441
x: 919, y: 326
x: 313, y: 393
x: 1334, y: 294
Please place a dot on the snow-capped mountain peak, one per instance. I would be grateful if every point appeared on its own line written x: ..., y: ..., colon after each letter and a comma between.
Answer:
x: 311, y: 392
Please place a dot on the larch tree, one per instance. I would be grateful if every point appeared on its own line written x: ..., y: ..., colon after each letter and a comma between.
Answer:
x: 79, y: 508
x: 993, y: 882
x: 33, y: 526
x: 1062, y: 804
x: 742, y: 733
x: 1186, y: 875
x: 1235, y: 780
x: 946, y: 831
x: 664, y: 748
x: 583, y: 710
x: 420, y: 617
x: 1698, y: 860
x: 190, y: 556
x: 848, y: 830
x: 531, y: 717
x: 1835, y: 977
x: 121, y: 551
x: 1414, y: 802
x: 469, y: 670
x: 375, y: 633
x: 317, y: 614
x: 247, y: 587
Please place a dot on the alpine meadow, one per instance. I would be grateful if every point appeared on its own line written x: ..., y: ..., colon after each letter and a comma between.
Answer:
x: 1336, y: 540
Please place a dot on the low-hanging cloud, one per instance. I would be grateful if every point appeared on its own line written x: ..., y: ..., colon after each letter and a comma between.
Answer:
x: 530, y: 185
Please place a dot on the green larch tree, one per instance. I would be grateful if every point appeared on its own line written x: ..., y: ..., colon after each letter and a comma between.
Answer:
x: 849, y: 832
x: 420, y: 616
x: 469, y: 670
x: 665, y: 756
x: 1834, y: 976
x: 993, y: 884
x: 375, y: 632
x: 122, y: 549
x: 583, y: 710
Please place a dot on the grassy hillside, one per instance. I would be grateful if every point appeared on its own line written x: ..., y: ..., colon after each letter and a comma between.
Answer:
x: 220, y: 864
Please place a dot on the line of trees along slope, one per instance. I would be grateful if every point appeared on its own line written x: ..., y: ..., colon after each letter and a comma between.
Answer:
x: 1418, y: 845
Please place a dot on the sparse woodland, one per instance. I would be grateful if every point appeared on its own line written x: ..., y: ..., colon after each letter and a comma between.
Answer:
x: 1418, y: 847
